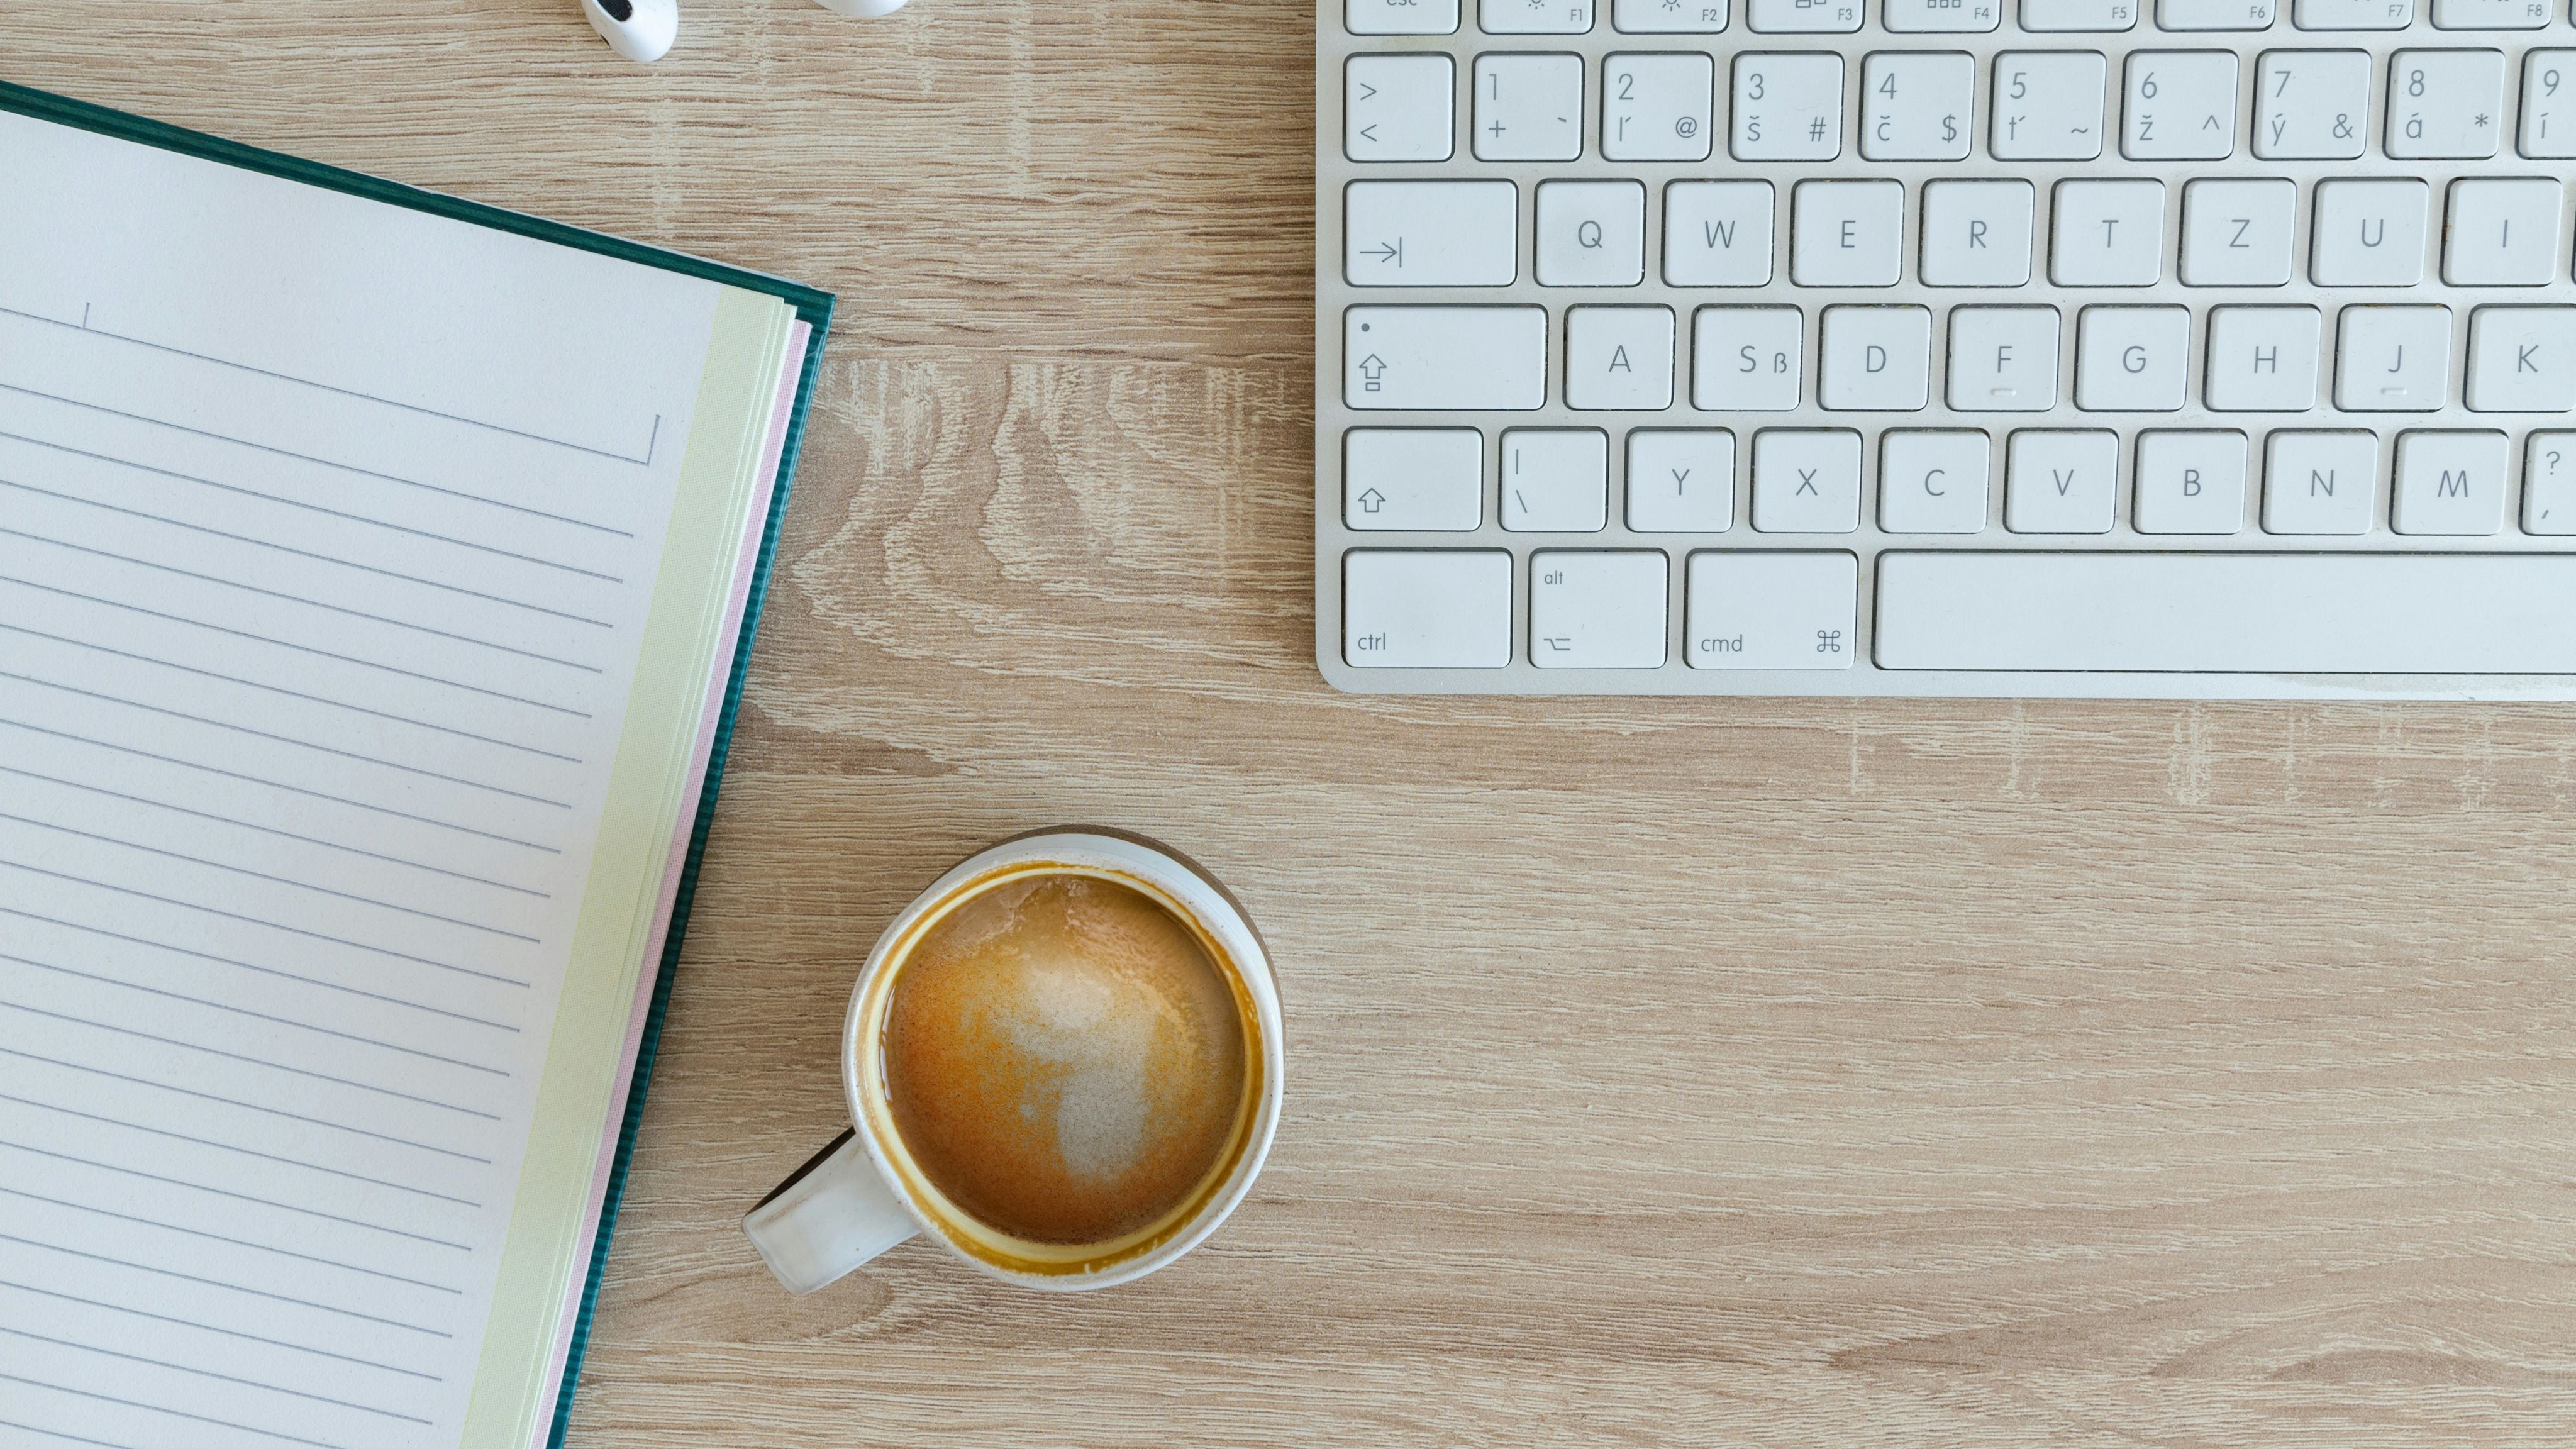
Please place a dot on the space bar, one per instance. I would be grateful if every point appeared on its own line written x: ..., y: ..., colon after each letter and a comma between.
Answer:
x: 2228, y: 613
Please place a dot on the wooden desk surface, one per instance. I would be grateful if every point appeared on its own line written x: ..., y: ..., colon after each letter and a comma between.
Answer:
x: 1684, y: 1071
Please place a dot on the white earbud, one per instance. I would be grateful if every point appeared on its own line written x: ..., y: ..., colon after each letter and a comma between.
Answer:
x: 636, y: 29
x: 861, y: 9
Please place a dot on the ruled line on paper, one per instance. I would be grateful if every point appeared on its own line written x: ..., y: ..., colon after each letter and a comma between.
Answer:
x: 256, y: 542
x: 129, y: 1078
x: 304, y: 1348
x: 137, y: 1172
x: 82, y: 1207
x: 286, y: 1298
x: 194, y: 1140
x: 79, y: 1347
x: 59, y: 1434
x: 456, y: 493
x: 283, y: 501
x: 173, y: 1413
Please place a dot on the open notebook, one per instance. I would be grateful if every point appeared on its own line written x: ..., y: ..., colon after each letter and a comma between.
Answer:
x: 376, y: 572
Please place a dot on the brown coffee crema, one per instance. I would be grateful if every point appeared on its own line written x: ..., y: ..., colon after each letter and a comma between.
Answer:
x: 1063, y: 1059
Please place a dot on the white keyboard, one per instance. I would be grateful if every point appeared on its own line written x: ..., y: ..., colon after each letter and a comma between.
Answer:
x: 1946, y: 347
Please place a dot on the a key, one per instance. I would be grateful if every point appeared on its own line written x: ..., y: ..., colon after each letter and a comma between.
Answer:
x: 1598, y: 609
x: 2320, y: 482
x: 1772, y: 611
x: 2450, y: 483
x: 2236, y: 233
x: 2445, y: 103
x: 1746, y: 359
x: 1619, y: 358
x: 2107, y: 234
x: 2061, y: 480
x: 1874, y: 359
x: 1941, y: 17
x: 1846, y: 233
x: 2215, y: 14
x: 2190, y: 481
x: 2078, y: 15
x: 1400, y: 17
x: 1427, y: 609
x: 1591, y: 233
x: 2353, y: 14
x: 1932, y: 480
x: 1555, y: 480
x: 1976, y: 233
x: 1915, y: 107
x: 2503, y: 232
x: 1426, y: 480
x: 1396, y: 107
x: 2311, y: 104
x: 2549, y: 485
x: 1681, y: 480
x: 2003, y: 359
x: 1464, y: 359
x: 1656, y: 107
x: 2048, y: 106
x: 1806, y: 481
x: 2392, y: 359
x: 2522, y: 360
x: 1430, y: 233
x: 1717, y: 233
x: 1528, y: 107
x: 2132, y: 359
x: 2368, y: 234
x: 2549, y: 105
x: 2180, y: 105
x: 1802, y: 17
x: 2490, y: 14
x: 2262, y: 359
x: 1788, y: 106
x: 1669, y: 17
x: 1534, y: 17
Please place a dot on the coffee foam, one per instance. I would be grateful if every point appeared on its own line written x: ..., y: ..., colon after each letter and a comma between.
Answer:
x: 1063, y: 1059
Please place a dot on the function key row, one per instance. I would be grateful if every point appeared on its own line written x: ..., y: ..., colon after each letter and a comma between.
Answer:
x: 1929, y: 17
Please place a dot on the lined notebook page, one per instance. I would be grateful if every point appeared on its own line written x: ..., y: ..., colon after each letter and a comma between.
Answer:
x: 326, y: 534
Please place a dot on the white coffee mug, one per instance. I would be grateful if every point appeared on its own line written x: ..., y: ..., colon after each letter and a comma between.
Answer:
x: 864, y: 1194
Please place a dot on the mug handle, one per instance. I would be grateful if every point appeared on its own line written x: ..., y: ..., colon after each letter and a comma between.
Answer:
x: 827, y: 1218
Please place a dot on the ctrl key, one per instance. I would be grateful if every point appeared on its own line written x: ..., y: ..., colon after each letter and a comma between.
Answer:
x: 1426, y: 608
x: 1773, y: 610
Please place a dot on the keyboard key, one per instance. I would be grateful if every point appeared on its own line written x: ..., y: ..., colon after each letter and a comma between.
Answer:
x: 2320, y: 483
x: 2311, y: 104
x: 2003, y: 359
x: 2549, y: 485
x: 1595, y: 609
x: 1802, y: 17
x: 1426, y: 609
x: 1555, y: 480
x: 1448, y: 358
x: 1591, y: 233
x: 2522, y: 360
x: 2214, y: 14
x: 1400, y: 17
x: 2354, y: 14
x: 1430, y: 233
x: 2446, y: 103
x: 2048, y: 106
x: 1846, y: 233
x: 1788, y: 107
x: 2490, y: 14
x: 1941, y: 17
x: 1619, y: 357
x: 2077, y: 15
x: 2451, y: 484
x: 1915, y: 107
x: 1976, y: 233
x: 1681, y: 480
x: 2228, y: 612
x: 2236, y: 233
x: 1806, y: 481
x: 2061, y: 480
x: 1772, y: 610
x: 1717, y: 233
x: 2107, y: 234
x: 2132, y: 359
x: 1656, y: 107
x: 1396, y: 107
x: 1534, y: 17
x: 1528, y: 107
x: 1669, y: 17
x: 2393, y: 359
x: 2263, y: 359
x: 2503, y: 233
x: 2180, y: 105
x: 1932, y: 481
x: 2368, y: 234
x: 1429, y: 480
x: 1746, y: 359
x: 2190, y: 482
x: 1875, y: 359
x: 2549, y: 105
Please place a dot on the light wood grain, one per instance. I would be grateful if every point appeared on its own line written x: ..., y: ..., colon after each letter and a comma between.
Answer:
x: 1666, y: 1072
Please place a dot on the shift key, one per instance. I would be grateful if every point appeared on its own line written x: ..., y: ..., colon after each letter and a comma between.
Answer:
x: 1463, y: 359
